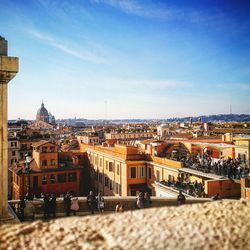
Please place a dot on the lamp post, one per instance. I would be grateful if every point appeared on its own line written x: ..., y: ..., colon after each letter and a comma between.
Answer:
x: 27, y: 161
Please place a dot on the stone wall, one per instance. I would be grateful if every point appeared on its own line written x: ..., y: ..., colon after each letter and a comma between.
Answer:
x: 34, y: 209
x: 219, y: 225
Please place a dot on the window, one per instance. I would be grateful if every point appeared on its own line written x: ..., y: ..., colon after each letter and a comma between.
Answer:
x: 72, y: 177
x: 61, y: 178
x: 117, y: 188
x: 44, y: 162
x: 110, y: 166
x: 133, y: 172
x: 100, y: 162
x: 170, y: 177
x: 133, y: 192
x: 44, y: 149
x: 107, y: 164
x: 149, y: 173
x: 106, y: 182
x: 52, y: 179
x: 111, y: 185
x: 158, y: 175
x: 23, y: 146
x: 96, y: 160
x: 242, y: 157
x: 52, y: 149
x: 100, y: 178
x: 44, y: 180
x: 52, y: 162
x: 141, y: 172
x: 13, y: 153
x: 117, y: 169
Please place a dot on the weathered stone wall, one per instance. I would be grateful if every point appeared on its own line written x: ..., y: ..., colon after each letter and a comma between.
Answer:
x: 212, y: 225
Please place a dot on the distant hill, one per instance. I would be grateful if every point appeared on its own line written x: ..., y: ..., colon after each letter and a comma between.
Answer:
x: 203, y: 118
x: 214, y: 118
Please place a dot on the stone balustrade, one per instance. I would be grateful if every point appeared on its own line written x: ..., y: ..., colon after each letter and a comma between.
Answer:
x: 35, y: 209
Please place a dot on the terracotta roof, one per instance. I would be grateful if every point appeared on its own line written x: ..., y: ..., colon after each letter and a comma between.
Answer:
x: 39, y: 143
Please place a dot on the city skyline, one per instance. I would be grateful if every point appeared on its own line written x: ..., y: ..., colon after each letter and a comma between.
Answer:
x: 153, y: 60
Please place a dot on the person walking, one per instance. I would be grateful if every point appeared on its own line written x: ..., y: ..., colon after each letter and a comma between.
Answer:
x: 91, y: 200
x: 100, y: 203
x: 74, y: 205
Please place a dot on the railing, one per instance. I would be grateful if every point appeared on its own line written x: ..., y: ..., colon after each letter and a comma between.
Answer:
x: 188, y: 189
x: 222, y: 171
x: 35, y: 209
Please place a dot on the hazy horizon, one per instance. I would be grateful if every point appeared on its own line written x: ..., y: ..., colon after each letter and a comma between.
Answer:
x: 146, y: 59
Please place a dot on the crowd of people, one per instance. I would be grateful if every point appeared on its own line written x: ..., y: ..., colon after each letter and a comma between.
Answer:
x: 195, y: 188
x: 231, y: 168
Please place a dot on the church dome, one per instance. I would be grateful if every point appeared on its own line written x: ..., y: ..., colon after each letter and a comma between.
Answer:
x: 42, y: 114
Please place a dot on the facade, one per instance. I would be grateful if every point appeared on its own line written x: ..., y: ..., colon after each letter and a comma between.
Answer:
x: 89, y: 138
x: 50, y: 171
x: 119, y: 171
x: 124, y: 170
x: 130, y: 135
x: 163, y: 130
x: 13, y: 150
x: 242, y: 148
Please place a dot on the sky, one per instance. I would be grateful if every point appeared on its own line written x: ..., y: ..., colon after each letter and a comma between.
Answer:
x: 143, y: 58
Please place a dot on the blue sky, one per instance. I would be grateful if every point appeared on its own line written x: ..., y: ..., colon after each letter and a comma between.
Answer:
x: 147, y: 59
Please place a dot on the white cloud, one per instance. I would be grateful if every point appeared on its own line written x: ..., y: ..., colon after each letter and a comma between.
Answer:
x: 70, y: 50
x: 134, y: 8
x: 238, y: 86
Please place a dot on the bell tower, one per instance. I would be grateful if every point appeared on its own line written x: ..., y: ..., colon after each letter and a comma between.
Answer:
x: 8, y: 70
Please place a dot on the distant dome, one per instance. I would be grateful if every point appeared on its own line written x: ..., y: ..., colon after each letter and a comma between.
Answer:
x: 42, y: 114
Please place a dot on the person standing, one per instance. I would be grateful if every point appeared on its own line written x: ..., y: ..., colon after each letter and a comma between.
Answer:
x: 181, y: 199
x: 46, y: 206
x: 22, y: 207
x: 53, y: 205
x: 147, y: 199
x: 140, y: 200
x: 91, y: 200
x: 100, y: 203
x: 117, y: 207
x: 67, y: 202
x: 121, y: 209
x: 74, y: 205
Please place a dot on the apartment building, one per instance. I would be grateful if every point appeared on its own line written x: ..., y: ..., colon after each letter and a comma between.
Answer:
x: 50, y: 171
x: 119, y: 170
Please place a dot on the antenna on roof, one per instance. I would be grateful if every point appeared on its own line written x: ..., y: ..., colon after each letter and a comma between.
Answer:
x: 106, y: 108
